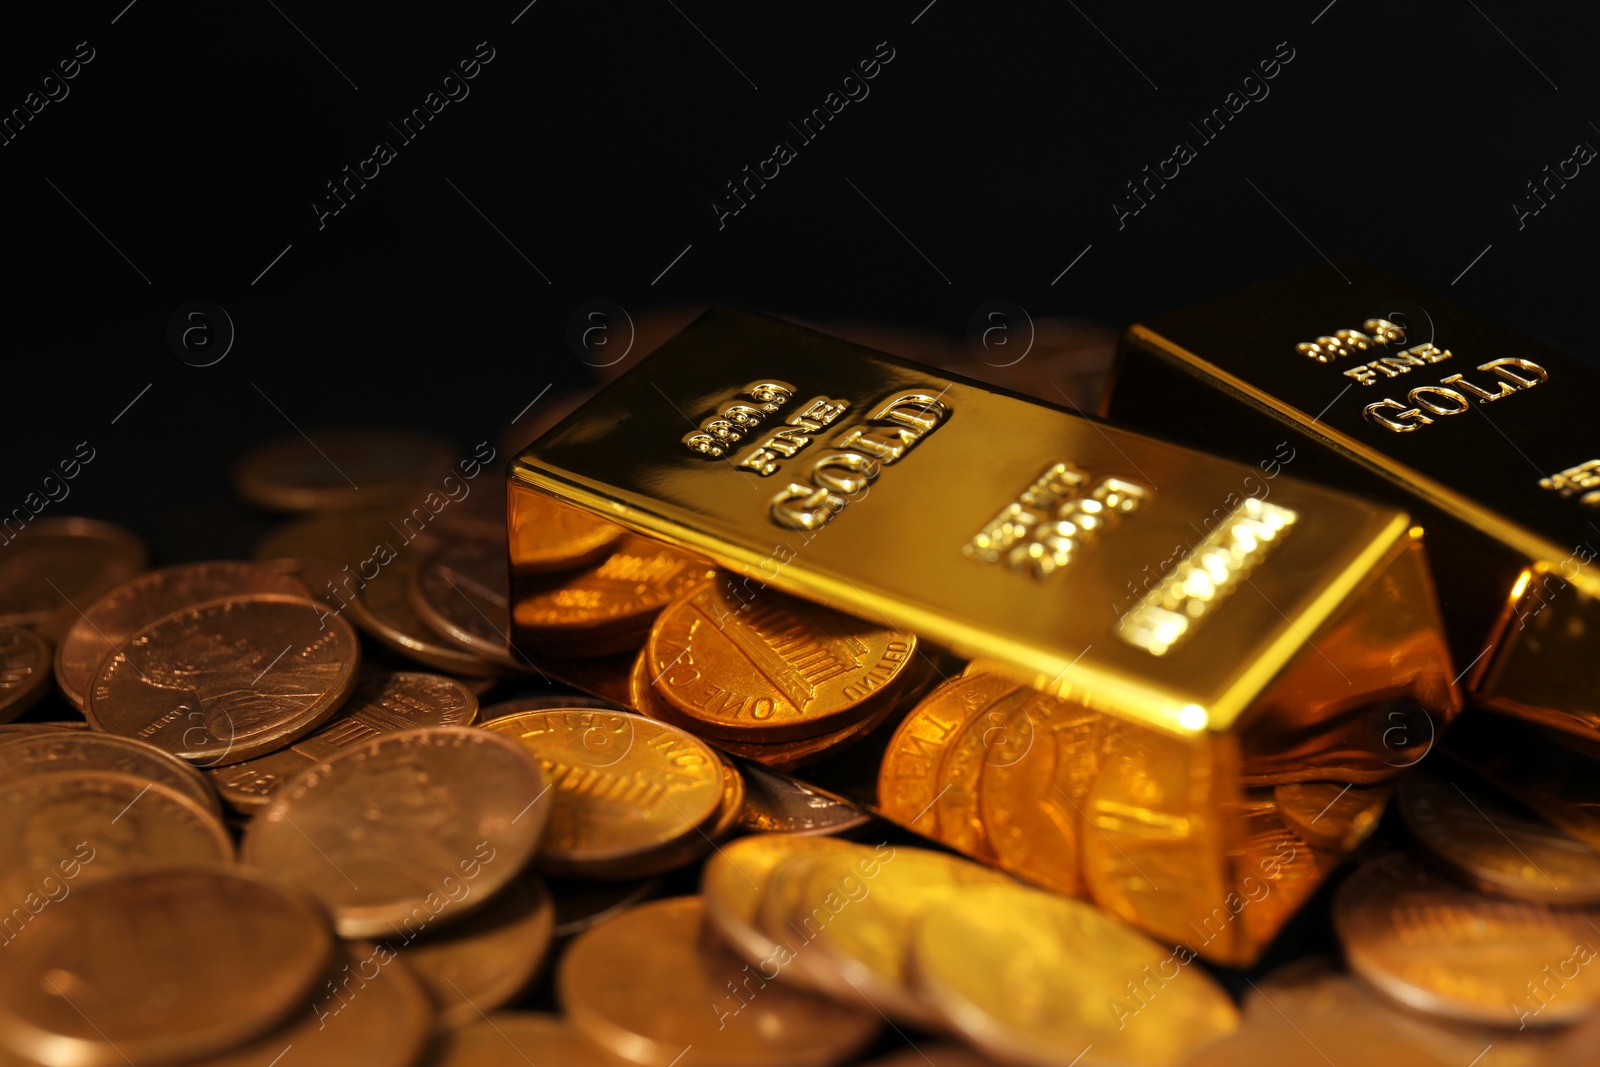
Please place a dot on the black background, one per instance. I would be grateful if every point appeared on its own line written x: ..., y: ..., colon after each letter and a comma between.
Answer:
x: 983, y: 163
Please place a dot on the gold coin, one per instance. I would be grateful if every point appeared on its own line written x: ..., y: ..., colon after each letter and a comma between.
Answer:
x: 461, y: 592
x: 383, y: 704
x: 1043, y: 755
x: 622, y: 786
x: 770, y: 667
x: 56, y: 566
x: 368, y: 1009
x: 735, y: 879
x: 1031, y: 978
x: 777, y: 804
x: 343, y: 468
x: 160, y: 965
x: 405, y: 831
x: 908, y: 777
x: 484, y: 961
x: 107, y: 822
x: 382, y: 608
x: 1446, y: 950
x: 1332, y: 815
x: 516, y: 1039
x: 655, y: 987
x: 851, y: 926
x: 107, y: 624
x: 24, y: 671
x: 547, y: 535
x: 228, y: 680
x: 1494, y: 844
x: 606, y: 608
x: 72, y: 751
x: 1272, y: 1044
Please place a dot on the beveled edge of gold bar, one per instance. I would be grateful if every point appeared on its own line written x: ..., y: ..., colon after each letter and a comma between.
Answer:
x: 1533, y: 547
x: 1111, y: 692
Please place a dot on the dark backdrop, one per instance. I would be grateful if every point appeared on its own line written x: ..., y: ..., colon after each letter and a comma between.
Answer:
x: 582, y: 161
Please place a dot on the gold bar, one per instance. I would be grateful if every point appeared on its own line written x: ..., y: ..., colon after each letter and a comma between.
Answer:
x: 1245, y: 625
x: 1363, y: 381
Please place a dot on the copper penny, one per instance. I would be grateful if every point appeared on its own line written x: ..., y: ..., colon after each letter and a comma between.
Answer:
x: 779, y: 755
x: 1494, y: 844
x: 109, y: 822
x: 776, y: 803
x: 342, y: 468
x: 461, y: 592
x: 71, y: 751
x: 24, y: 671
x: 622, y: 786
x: 484, y: 961
x: 608, y: 607
x: 369, y: 1009
x: 382, y: 608
x: 56, y: 567
x: 1448, y: 951
x: 159, y: 965
x: 1333, y: 815
x: 640, y: 987
x: 515, y: 1039
x: 229, y: 680
x: 547, y: 535
x: 384, y: 704
x: 1040, y: 758
x: 105, y: 625
x: 773, y: 667
x: 386, y: 834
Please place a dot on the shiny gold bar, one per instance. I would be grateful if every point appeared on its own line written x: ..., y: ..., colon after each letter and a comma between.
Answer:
x: 1379, y: 387
x: 1252, y: 629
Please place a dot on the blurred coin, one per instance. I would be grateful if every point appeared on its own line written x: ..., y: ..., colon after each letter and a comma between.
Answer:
x: 159, y: 965
x: 342, y: 468
x: 654, y: 987
x: 851, y: 929
x: 109, y: 822
x: 623, y: 787
x: 770, y: 667
x: 1033, y: 978
x: 461, y: 592
x: 225, y: 681
x: 107, y: 624
x: 1269, y: 1043
x: 776, y: 803
x: 1494, y: 844
x: 369, y: 1009
x: 510, y: 1039
x: 1332, y: 815
x: 24, y: 671
x: 382, y: 608
x: 1446, y: 950
x: 606, y: 608
x: 484, y: 961
x: 56, y: 567
x: 384, y: 704
x: 735, y: 880
x: 72, y: 751
x: 381, y: 832
x: 547, y: 535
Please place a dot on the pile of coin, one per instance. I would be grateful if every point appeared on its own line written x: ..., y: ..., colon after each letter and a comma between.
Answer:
x: 260, y: 818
